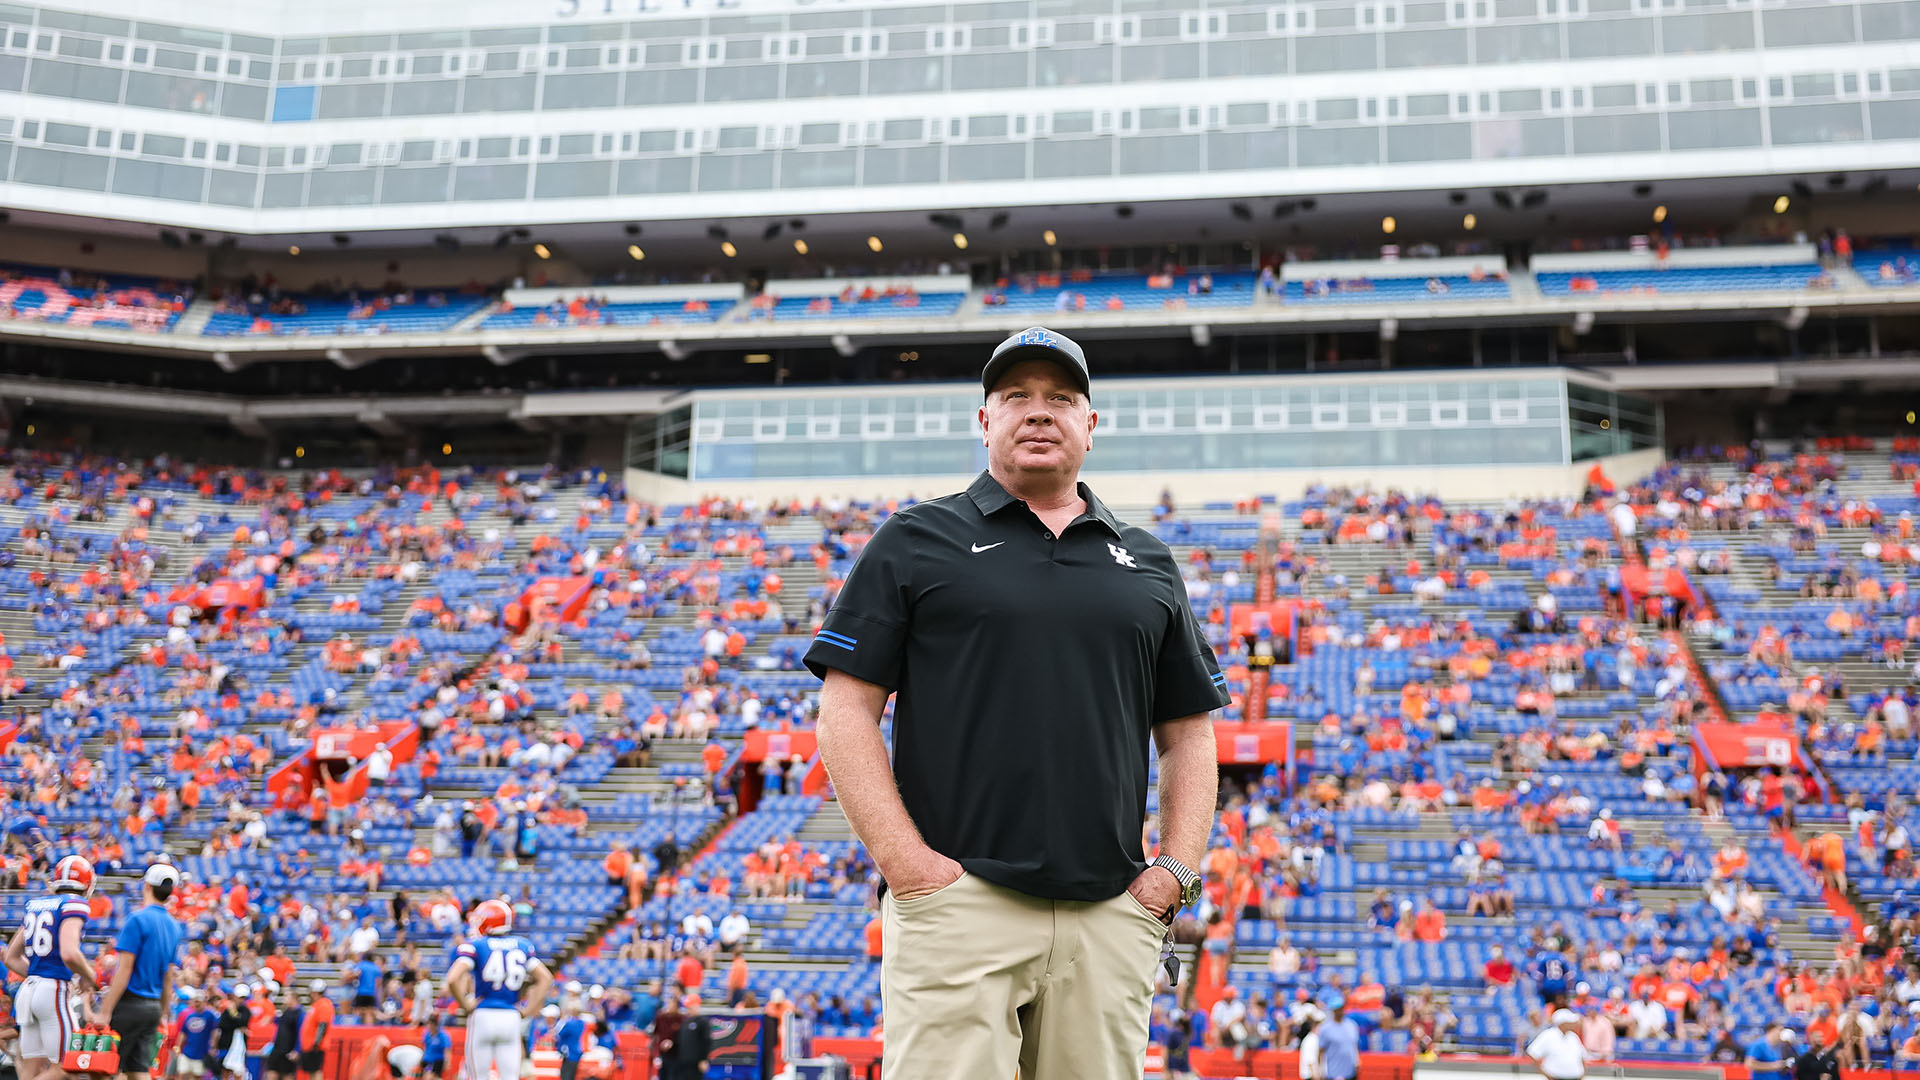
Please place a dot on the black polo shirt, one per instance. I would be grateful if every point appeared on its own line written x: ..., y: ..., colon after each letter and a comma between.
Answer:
x: 1030, y: 670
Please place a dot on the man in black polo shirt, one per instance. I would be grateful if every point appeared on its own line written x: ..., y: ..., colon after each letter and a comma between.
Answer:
x: 1035, y: 642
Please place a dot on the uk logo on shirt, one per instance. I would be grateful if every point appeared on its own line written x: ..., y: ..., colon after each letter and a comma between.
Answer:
x: 1120, y: 556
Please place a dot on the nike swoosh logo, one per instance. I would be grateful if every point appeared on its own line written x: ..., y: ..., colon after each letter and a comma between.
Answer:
x: 978, y: 548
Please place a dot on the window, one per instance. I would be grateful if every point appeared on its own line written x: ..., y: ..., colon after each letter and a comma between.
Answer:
x: 769, y: 428
x: 1033, y: 33
x: 1449, y: 414
x: 701, y: 52
x: 930, y: 424
x: 1509, y: 411
x: 1269, y: 417
x: 1329, y: 416
x: 876, y: 427
x: 947, y: 38
x: 1202, y: 26
x: 1125, y: 28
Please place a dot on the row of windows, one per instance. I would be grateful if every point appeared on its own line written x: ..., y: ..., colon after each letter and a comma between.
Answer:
x: 1187, y: 405
x: 1327, y: 412
x: 956, y: 28
x: 1233, y: 425
x: 860, y: 62
x: 1528, y: 444
x: 1254, y: 116
x: 1258, y: 115
x: 78, y: 158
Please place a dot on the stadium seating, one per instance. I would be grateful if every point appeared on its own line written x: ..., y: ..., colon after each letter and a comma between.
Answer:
x: 426, y: 313
x: 1391, y: 290
x: 112, y: 302
x: 1681, y: 279
x: 642, y: 313
x: 1889, y: 268
x: 1476, y: 721
x: 1119, y: 291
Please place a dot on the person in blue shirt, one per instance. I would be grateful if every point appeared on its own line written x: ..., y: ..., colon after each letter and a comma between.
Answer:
x: 24, y: 831
x: 198, y: 1025
x: 434, y: 1044
x: 142, y: 989
x: 1339, y: 1046
x: 364, y: 976
x: 1550, y: 971
x: 1771, y: 1053
x: 570, y: 1040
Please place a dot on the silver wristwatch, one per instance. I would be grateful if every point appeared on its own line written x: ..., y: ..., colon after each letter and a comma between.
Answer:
x: 1189, y: 883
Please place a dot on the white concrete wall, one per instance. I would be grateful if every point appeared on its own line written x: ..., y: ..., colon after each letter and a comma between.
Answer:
x: 626, y: 294
x: 921, y: 283
x: 1477, y: 483
x: 1764, y: 255
x: 1443, y: 266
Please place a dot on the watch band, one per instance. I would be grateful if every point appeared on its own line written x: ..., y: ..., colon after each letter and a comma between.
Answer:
x: 1188, y: 879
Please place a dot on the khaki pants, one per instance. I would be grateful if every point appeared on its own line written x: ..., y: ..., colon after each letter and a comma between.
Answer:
x: 976, y: 979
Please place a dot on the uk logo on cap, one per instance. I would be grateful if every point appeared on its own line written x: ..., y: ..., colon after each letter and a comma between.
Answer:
x: 1037, y: 336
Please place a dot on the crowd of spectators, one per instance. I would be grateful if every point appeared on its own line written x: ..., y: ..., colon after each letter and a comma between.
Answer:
x: 128, y: 678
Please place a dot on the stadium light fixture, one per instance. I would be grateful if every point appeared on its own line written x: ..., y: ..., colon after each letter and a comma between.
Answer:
x: 1909, y: 420
x: 727, y: 249
x: 1660, y: 213
x: 960, y: 240
x: 542, y: 251
x: 634, y: 251
x: 446, y: 448
x: 1387, y: 224
x: 293, y: 249
x: 1780, y: 204
x: 873, y: 243
x: 759, y: 358
x: 299, y: 451
x: 1049, y: 238
x: 800, y: 246
x: 1469, y: 222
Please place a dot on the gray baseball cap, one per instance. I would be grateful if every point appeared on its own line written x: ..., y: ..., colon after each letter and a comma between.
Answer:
x: 1038, y: 343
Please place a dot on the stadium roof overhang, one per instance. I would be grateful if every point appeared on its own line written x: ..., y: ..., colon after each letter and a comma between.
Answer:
x: 1519, y: 200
